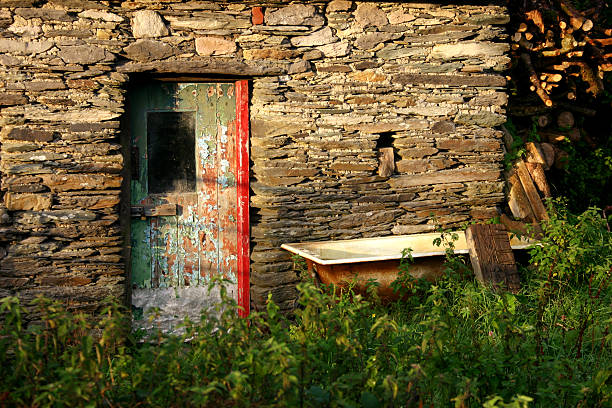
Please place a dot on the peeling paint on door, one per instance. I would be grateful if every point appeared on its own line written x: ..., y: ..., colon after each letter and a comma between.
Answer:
x: 185, y: 135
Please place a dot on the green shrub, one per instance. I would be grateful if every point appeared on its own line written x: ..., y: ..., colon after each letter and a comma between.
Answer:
x: 586, y: 179
x: 452, y: 343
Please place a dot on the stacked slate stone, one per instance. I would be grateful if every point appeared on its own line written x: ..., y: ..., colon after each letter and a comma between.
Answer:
x: 60, y: 154
x: 332, y: 83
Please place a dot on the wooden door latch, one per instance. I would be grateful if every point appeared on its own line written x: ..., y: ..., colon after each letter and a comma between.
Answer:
x: 161, y: 210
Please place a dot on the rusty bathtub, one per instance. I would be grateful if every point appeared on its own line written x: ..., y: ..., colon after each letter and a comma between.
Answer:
x: 343, y: 261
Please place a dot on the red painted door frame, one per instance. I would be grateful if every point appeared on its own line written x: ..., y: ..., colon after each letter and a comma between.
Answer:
x: 242, y: 179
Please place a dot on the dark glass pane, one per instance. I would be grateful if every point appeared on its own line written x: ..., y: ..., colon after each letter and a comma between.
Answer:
x: 171, y: 152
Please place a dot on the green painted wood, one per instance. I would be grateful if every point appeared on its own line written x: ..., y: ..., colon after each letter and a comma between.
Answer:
x: 141, y: 254
x: 201, y: 240
x: 226, y: 181
x: 149, y: 265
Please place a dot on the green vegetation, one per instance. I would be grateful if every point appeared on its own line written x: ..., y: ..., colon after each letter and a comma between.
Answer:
x: 452, y: 343
x: 517, y: 148
x: 587, y: 177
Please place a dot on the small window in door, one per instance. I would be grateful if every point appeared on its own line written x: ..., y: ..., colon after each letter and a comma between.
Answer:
x: 171, y: 152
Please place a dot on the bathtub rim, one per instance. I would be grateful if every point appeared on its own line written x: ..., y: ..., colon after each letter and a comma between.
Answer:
x: 301, y: 248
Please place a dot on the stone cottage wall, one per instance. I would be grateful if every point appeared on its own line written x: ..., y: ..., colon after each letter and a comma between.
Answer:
x: 332, y: 83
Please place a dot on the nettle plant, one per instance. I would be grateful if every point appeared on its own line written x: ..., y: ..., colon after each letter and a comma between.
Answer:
x: 574, y: 254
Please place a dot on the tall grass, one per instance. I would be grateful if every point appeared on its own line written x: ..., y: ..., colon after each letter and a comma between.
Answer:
x: 452, y: 343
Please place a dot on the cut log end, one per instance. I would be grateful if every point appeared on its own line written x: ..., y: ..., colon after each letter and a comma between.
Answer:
x: 565, y: 120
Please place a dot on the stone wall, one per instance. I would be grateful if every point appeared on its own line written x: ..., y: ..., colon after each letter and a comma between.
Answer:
x: 332, y: 83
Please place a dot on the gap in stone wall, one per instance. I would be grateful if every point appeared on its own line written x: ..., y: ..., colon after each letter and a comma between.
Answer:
x: 387, y: 154
x: 385, y: 140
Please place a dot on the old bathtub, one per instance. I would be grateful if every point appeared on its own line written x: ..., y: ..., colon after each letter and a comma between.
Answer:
x: 360, y: 260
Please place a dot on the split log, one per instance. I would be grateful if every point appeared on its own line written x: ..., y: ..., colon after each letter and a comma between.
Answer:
x: 536, y: 17
x: 530, y: 190
x: 536, y: 170
x: 533, y: 77
x: 594, y: 46
x: 602, y: 41
x: 561, y: 51
x: 551, y: 77
x: 587, y: 25
x: 553, y: 137
x: 577, y: 20
x: 491, y: 256
x: 548, y: 87
x: 517, y: 200
x: 534, y: 154
x: 575, y: 54
x: 562, y: 66
x: 548, y: 151
x: 596, y: 85
x: 586, y: 73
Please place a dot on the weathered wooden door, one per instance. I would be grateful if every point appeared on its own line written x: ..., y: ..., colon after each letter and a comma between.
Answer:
x: 189, y: 196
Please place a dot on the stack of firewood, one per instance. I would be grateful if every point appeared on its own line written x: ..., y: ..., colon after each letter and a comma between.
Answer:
x: 563, y: 54
x: 528, y: 186
x: 527, y: 179
x: 564, y: 51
